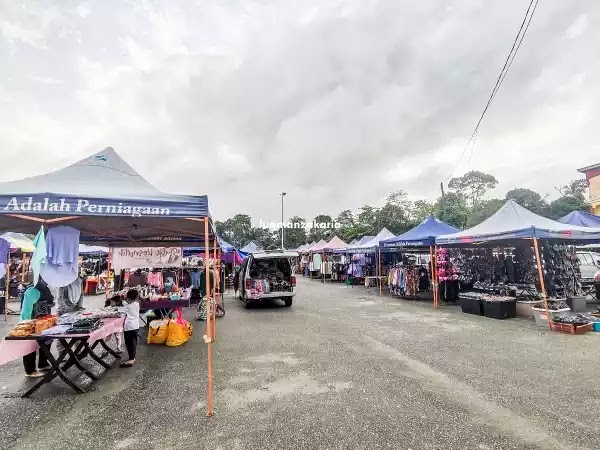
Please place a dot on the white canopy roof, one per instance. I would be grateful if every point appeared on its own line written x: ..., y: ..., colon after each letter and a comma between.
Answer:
x: 372, y: 243
x: 512, y: 221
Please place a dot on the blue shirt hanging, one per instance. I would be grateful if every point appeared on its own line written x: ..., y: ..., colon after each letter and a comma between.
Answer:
x: 62, y: 260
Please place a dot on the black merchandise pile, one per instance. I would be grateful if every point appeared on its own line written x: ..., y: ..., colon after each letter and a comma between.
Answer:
x: 577, y: 320
x: 514, y: 272
x: 562, y: 274
x: 85, y: 326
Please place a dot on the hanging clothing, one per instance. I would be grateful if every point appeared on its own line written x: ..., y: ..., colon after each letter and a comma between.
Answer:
x: 155, y: 279
x: 196, y: 279
x: 62, y: 260
x: 39, y: 255
x: 70, y: 298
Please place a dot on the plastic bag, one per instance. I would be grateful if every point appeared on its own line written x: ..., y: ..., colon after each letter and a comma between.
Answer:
x: 158, y: 331
x: 180, y: 331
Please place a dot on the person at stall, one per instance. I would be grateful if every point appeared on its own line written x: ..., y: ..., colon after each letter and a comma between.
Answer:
x: 132, y: 325
x: 34, y: 306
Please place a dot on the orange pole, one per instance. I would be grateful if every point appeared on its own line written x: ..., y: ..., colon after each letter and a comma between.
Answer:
x: 108, y: 257
x: 215, y: 296
x: 379, y: 273
x: 538, y: 260
x: 7, y: 287
x: 208, y: 337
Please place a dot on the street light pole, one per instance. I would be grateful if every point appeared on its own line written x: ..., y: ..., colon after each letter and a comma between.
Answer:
x: 282, y: 227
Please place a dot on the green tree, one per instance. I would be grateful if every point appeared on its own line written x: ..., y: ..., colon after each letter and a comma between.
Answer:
x: 453, y: 209
x: 528, y: 199
x: 575, y: 188
x: 295, y: 236
x: 316, y: 234
x: 564, y: 205
x: 345, y: 218
x: 484, y: 210
x: 473, y: 185
x: 367, y: 217
x: 395, y: 214
x: 421, y: 209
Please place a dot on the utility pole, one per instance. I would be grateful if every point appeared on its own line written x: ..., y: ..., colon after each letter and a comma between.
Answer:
x: 282, y: 226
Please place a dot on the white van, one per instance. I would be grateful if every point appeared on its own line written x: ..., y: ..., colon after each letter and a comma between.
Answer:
x: 265, y: 276
x: 589, y: 264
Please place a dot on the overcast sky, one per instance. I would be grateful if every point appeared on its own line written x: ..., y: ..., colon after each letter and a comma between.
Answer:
x: 336, y: 102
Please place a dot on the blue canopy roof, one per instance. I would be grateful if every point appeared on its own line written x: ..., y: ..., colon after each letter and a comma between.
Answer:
x: 582, y: 219
x: 107, y: 201
x: 423, y: 235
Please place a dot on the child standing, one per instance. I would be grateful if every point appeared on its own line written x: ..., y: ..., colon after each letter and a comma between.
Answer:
x: 132, y: 326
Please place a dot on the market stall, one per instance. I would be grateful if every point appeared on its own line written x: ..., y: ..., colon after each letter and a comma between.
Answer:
x: 109, y: 204
x: 405, y: 277
x: 332, y: 258
x: 365, y: 259
x: 517, y: 253
x: 315, y: 258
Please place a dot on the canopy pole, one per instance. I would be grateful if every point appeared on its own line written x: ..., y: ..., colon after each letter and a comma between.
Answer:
x: 323, y: 265
x: 23, y: 263
x: 431, y: 267
x: 7, y: 286
x: 216, y: 290
x: 379, y: 279
x: 538, y: 260
x: 434, y: 269
x: 208, y: 336
x: 108, y: 261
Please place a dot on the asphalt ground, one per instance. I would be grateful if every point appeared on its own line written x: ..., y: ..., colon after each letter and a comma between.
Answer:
x: 341, y: 369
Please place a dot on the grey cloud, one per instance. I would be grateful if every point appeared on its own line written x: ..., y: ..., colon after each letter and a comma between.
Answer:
x: 336, y: 102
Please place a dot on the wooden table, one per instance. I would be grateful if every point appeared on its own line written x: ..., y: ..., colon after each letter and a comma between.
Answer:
x: 75, y: 347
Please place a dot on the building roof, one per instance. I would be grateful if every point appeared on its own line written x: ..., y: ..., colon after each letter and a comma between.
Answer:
x: 588, y: 168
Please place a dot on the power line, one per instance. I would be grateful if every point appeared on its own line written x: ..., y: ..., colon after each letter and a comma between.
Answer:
x: 507, y: 64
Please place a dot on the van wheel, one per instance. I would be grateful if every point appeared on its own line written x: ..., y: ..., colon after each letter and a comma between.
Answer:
x: 247, y: 304
x: 288, y: 302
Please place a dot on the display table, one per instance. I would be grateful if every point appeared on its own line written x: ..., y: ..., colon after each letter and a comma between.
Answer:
x: 167, y: 305
x: 372, y: 281
x: 75, y: 347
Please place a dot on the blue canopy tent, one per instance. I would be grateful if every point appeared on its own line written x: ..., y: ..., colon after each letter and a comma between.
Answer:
x: 582, y: 219
x: 111, y: 205
x: 108, y: 202
x: 512, y: 223
x: 421, y: 236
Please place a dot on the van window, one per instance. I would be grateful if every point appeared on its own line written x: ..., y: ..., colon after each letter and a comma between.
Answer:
x: 271, y: 268
x: 585, y: 259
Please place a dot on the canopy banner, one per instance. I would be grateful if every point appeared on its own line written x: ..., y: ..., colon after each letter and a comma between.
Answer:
x: 52, y: 204
x: 151, y: 257
x: 401, y: 244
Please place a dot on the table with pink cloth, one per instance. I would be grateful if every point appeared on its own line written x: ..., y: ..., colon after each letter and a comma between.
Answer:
x: 75, y: 347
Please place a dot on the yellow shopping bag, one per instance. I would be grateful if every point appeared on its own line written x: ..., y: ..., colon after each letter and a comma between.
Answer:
x: 158, y: 331
x: 180, y: 331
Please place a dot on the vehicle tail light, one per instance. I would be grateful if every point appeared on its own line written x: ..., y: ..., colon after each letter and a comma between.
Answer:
x: 247, y: 283
x: 293, y: 281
